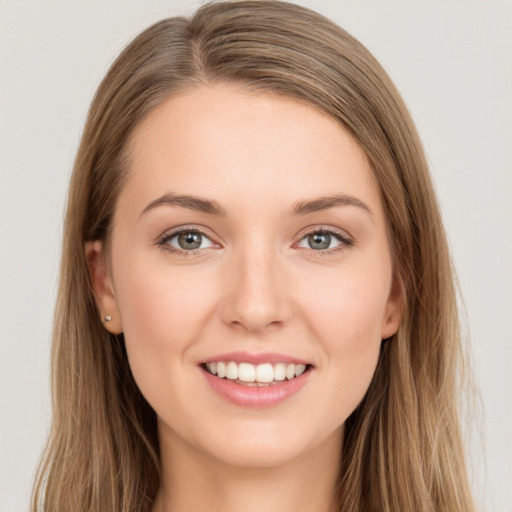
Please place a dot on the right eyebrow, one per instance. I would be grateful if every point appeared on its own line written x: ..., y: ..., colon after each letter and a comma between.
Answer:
x: 195, y: 203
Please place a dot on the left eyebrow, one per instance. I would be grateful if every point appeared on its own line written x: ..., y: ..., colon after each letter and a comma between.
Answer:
x: 327, y: 202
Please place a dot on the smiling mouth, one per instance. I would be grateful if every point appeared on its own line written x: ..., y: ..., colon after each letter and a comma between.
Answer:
x: 248, y: 374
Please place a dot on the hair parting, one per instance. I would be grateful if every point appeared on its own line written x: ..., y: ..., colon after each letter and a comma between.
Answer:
x: 402, y: 448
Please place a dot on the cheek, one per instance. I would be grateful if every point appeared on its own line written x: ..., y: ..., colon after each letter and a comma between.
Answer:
x: 345, y: 315
x: 163, y: 313
x: 347, y: 305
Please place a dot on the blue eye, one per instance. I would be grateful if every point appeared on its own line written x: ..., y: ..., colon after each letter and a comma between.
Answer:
x: 188, y: 240
x: 324, y: 240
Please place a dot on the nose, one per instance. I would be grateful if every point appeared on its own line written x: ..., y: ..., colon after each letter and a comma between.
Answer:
x: 256, y: 295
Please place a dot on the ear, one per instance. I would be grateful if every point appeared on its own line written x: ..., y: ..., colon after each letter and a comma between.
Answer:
x: 394, y: 310
x: 103, y: 289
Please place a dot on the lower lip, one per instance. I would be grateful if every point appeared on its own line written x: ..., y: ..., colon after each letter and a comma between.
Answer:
x: 256, y: 396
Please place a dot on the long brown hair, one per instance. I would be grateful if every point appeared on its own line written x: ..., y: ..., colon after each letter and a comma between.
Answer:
x: 402, y: 449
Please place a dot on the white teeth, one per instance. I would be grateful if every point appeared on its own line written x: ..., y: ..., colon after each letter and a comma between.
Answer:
x: 246, y: 372
x: 290, y: 371
x: 232, y: 371
x: 280, y: 371
x: 262, y: 373
x: 300, y: 369
x: 221, y: 370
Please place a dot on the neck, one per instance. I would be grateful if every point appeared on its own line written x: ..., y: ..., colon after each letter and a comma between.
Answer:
x: 192, y: 480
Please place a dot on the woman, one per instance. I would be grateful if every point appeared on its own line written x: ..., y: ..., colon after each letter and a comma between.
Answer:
x: 256, y: 305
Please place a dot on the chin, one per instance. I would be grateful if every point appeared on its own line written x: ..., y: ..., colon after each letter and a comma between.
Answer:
x: 257, y: 455
x: 268, y: 448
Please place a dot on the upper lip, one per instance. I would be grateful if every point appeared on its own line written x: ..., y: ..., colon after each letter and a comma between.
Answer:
x: 260, y: 358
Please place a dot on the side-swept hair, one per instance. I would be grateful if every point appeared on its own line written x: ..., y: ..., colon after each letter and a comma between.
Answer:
x: 402, y: 449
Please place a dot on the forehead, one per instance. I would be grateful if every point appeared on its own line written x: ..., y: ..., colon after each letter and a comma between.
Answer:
x: 239, y: 146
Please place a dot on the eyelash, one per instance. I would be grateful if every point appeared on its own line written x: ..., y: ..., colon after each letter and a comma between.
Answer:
x: 343, y: 238
x: 163, y: 242
x: 344, y: 241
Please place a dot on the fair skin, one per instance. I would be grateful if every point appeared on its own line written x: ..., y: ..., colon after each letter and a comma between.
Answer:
x: 264, y: 267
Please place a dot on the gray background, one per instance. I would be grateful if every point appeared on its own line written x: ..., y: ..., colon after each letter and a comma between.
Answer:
x: 451, y: 59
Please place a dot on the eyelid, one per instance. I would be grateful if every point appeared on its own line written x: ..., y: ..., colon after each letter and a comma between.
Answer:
x: 345, y: 239
x: 326, y: 228
x: 167, y: 235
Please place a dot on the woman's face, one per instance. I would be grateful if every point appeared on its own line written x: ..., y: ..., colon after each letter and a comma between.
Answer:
x: 250, y: 233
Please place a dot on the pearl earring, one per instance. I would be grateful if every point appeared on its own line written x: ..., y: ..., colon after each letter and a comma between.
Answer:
x: 108, y: 318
